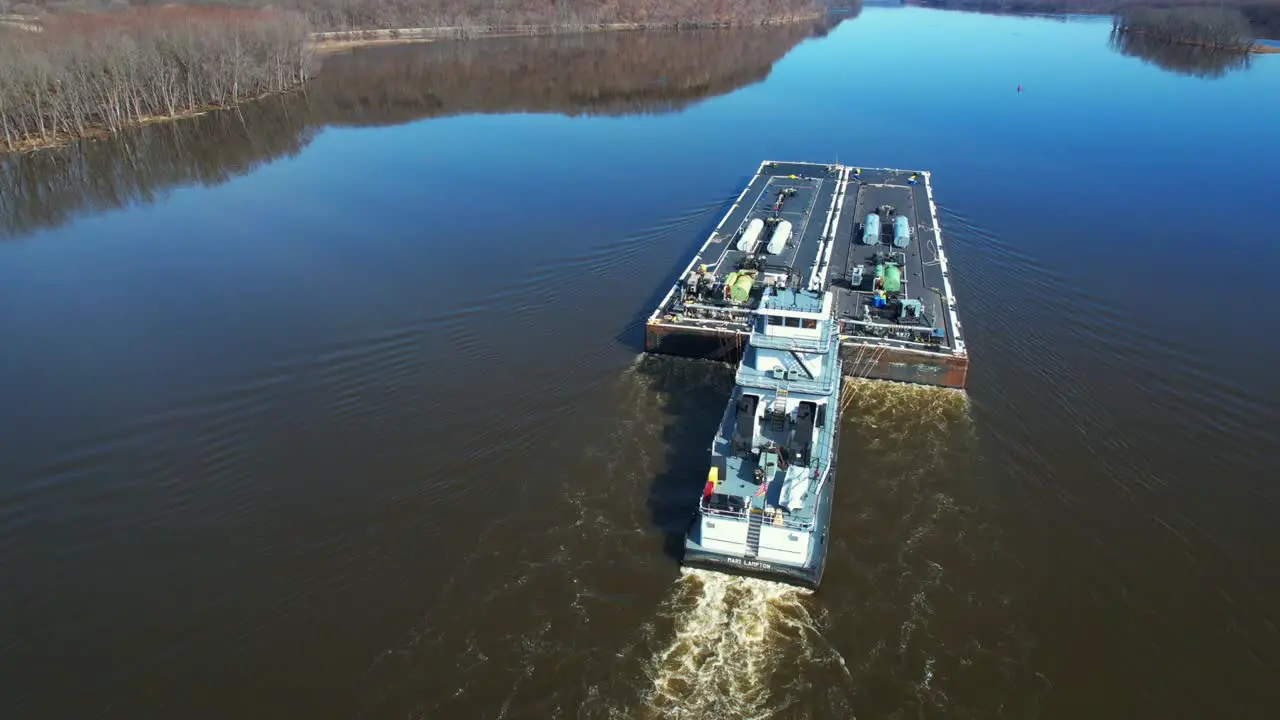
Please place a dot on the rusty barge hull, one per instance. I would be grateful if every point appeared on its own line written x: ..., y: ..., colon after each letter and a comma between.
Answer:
x: 895, y: 303
x: 860, y: 359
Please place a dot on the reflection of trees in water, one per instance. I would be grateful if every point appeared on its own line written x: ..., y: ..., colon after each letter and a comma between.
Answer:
x: 1180, y: 58
x: 46, y: 189
x: 596, y: 74
x: 1263, y: 15
x: 601, y: 73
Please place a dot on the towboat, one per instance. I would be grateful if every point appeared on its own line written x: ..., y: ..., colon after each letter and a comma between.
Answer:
x: 765, y: 508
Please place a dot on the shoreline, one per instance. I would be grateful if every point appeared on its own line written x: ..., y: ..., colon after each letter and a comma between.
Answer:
x: 1253, y: 49
x: 96, y: 133
x: 339, y: 41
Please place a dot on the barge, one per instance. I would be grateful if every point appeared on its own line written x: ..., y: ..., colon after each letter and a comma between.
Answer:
x: 868, y: 236
x: 766, y: 506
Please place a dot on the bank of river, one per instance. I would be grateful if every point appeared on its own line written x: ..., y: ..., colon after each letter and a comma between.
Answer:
x: 1257, y: 48
x: 346, y: 39
x: 324, y: 43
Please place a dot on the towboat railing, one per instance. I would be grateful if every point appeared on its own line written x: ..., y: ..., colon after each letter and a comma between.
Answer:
x: 705, y: 509
x: 823, y: 448
x: 730, y: 309
x: 763, y: 379
x: 780, y: 342
x: 787, y: 522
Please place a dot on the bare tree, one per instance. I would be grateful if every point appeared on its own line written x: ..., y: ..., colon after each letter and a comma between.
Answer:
x: 105, y: 71
x: 101, y: 65
x: 480, y: 14
x: 1220, y: 28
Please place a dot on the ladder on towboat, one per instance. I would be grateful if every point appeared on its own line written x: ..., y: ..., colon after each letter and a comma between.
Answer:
x: 755, y: 518
x: 780, y: 410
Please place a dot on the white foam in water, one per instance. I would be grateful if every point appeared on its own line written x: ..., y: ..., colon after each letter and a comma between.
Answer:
x: 724, y: 646
x: 730, y: 633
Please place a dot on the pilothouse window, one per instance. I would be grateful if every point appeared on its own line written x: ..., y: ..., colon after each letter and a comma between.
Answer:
x: 775, y: 320
x: 809, y: 324
x: 793, y: 322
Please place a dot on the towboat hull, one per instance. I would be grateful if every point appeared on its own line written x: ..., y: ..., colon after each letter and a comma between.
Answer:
x: 808, y: 576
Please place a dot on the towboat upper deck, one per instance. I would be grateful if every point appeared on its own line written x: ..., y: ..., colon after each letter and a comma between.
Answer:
x: 795, y: 367
x: 870, y: 235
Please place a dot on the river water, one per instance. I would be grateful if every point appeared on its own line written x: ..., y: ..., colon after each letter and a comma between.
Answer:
x: 334, y: 407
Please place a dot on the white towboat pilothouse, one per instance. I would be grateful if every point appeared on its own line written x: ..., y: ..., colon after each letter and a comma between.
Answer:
x: 766, y: 506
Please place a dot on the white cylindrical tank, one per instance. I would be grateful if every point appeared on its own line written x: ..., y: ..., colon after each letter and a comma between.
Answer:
x: 781, y: 235
x: 751, y: 236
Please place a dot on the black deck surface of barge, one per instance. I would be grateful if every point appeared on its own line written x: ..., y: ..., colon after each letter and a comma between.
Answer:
x: 913, y: 334
x: 805, y: 210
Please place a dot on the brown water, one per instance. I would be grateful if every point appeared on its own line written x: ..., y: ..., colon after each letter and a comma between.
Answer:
x: 334, y: 407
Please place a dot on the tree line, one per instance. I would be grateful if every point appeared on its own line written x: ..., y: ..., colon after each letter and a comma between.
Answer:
x: 588, y: 74
x: 1086, y: 6
x: 362, y: 14
x: 92, y: 72
x: 328, y: 15
x: 1220, y: 28
x: 101, y: 65
x: 1263, y: 16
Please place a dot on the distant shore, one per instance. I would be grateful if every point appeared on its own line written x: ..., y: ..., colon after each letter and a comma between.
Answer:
x: 1064, y: 8
x: 1255, y: 49
x: 1224, y: 30
x: 324, y: 43
x: 342, y: 40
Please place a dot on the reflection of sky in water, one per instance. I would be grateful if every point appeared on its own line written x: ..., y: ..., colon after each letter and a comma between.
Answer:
x: 900, y: 87
x: 914, y: 87
x: 1106, y: 140
x: 892, y: 87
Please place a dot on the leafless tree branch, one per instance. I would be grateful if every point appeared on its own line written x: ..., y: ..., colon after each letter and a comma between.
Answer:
x: 92, y: 72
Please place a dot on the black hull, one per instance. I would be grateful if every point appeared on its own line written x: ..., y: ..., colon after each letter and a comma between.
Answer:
x: 861, y: 359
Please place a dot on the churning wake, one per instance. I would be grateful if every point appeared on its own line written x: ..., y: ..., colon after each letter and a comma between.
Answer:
x: 739, y: 647
x: 730, y: 639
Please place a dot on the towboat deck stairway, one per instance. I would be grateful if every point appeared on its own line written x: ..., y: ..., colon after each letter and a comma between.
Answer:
x: 754, y: 520
x: 780, y: 409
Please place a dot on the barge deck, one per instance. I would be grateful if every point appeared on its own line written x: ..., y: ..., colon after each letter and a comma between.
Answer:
x: 869, y: 235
